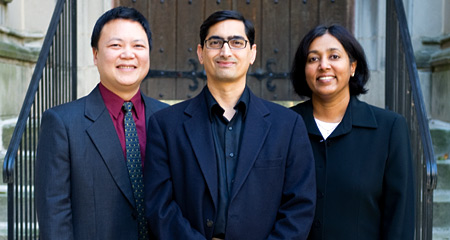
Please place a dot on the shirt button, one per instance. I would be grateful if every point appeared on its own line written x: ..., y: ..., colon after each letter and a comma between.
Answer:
x: 231, y: 154
x: 320, y: 195
x: 209, y: 223
x: 317, y: 224
x: 230, y: 128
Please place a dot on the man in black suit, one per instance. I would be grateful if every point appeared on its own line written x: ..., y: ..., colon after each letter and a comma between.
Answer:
x: 227, y: 164
x: 83, y: 187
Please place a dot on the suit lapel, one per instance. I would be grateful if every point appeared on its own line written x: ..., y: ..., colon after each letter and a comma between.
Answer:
x: 256, y: 128
x: 104, y: 136
x: 198, y: 130
x: 150, y: 108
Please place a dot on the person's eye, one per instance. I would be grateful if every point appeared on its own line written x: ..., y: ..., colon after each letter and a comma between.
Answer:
x: 215, y: 42
x: 237, y: 43
x: 114, y: 45
x: 313, y: 59
x: 334, y: 56
x: 139, y: 45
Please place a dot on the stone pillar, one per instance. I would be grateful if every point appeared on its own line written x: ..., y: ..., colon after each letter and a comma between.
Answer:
x: 88, y: 13
x: 440, y: 81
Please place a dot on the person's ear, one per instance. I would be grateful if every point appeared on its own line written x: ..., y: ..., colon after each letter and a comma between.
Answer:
x: 253, y: 51
x: 95, y: 53
x: 200, y: 53
x: 353, y: 68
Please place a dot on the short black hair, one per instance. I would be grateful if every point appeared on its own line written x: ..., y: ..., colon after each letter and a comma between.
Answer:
x: 353, y: 49
x: 220, y: 16
x: 120, y: 13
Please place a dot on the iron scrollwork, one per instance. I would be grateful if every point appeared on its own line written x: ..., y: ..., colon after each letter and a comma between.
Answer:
x: 195, y: 74
x: 269, y: 75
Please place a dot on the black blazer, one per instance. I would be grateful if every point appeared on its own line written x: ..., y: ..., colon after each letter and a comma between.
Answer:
x: 364, y: 171
x: 83, y: 190
x: 273, y: 195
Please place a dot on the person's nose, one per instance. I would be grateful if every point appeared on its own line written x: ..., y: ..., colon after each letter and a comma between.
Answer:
x: 225, y: 50
x: 127, y: 53
x: 324, y: 64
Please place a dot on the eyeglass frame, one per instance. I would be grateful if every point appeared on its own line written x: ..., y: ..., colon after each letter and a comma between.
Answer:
x: 227, y: 42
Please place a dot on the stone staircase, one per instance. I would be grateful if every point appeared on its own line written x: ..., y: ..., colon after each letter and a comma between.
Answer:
x: 440, y: 134
x: 3, y: 207
x: 6, y: 130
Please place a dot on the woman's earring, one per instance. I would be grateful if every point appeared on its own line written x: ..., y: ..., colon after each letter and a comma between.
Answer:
x: 353, y: 74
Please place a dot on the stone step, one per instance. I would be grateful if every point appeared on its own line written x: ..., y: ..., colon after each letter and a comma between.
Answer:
x: 440, y: 136
x: 441, y: 233
x: 3, y: 204
x: 3, y: 212
x: 443, y: 181
x: 441, y: 209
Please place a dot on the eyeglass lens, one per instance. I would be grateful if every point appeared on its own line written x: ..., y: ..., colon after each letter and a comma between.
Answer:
x: 217, y: 43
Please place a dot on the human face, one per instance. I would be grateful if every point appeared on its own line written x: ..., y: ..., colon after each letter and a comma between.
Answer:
x: 122, y: 57
x: 227, y: 65
x: 328, y: 68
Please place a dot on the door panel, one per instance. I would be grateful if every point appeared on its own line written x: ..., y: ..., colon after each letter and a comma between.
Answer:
x: 164, y: 54
x: 251, y: 9
x: 189, y: 19
x: 275, y: 50
x: 175, y: 73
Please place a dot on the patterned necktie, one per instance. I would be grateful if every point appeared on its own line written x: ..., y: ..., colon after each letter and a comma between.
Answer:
x: 135, y: 167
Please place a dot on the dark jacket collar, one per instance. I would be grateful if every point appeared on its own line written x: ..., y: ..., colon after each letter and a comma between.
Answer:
x: 358, y: 114
x: 198, y: 130
x: 198, y: 103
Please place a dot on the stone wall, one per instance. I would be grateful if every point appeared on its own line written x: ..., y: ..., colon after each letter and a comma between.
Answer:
x: 14, y: 80
x: 6, y: 130
x: 22, y: 31
x: 440, y: 83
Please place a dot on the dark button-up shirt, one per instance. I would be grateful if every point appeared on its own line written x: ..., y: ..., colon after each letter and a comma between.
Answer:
x: 114, y: 105
x: 227, y: 137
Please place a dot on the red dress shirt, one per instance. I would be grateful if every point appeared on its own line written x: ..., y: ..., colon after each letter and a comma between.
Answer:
x: 114, y: 105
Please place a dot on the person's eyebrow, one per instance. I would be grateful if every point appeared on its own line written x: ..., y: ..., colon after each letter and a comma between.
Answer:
x: 228, y: 38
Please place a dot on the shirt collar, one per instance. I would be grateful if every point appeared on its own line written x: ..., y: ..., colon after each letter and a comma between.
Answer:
x: 114, y: 103
x: 213, y: 106
x: 358, y: 114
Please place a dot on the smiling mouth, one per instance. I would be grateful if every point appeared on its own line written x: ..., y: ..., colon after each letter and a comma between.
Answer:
x: 225, y: 64
x: 126, y: 67
x: 325, y: 78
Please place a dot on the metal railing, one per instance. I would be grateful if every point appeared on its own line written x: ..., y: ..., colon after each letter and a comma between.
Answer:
x: 53, y: 82
x: 404, y: 95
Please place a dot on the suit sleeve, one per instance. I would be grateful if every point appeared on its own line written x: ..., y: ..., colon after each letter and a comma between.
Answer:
x: 162, y: 212
x: 398, y: 196
x: 52, y: 180
x: 296, y: 212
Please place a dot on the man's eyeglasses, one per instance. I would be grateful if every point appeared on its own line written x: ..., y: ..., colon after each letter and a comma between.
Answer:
x: 234, y: 43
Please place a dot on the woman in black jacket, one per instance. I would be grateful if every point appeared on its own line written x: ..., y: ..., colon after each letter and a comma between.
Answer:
x: 364, y: 172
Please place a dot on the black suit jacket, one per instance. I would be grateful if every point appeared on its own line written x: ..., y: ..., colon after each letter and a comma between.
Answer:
x: 273, y: 195
x: 364, y: 170
x: 83, y: 190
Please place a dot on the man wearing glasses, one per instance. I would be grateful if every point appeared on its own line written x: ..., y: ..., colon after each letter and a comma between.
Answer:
x: 227, y: 164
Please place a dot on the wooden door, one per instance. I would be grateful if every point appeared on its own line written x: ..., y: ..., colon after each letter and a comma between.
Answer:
x: 175, y: 73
